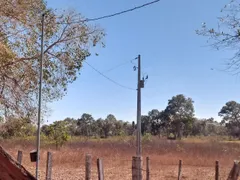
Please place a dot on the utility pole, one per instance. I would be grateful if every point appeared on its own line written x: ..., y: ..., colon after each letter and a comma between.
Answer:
x: 139, y: 145
x: 40, y: 99
x: 140, y: 84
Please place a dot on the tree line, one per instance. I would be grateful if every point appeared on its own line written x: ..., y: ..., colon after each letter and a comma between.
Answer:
x: 177, y: 120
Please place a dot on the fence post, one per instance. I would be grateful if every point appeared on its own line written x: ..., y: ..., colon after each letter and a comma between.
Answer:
x: 217, y: 170
x: 136, y: 168
x: 234, y: 173
x: 88, y: 167
x: 49, y: 166
x: 180, y: 170
x: 147, y: 168
x: 100, y: 169
x: 19, y: 157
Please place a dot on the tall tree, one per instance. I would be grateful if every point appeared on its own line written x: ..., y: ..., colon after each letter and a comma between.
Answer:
x: 180, y: 111
x: 119, y: 128
x: 230, y: 114
x: 99, y: 127
x: 67, y: 40
x: 157, y: 120
x: 16, y: 127
x: 226, y: 35
x: 145, y: 124
x: 85, y: 124
x: 59, y: 133
x: 109, y: 125
x: 198, y: 127
x: 72, y: 125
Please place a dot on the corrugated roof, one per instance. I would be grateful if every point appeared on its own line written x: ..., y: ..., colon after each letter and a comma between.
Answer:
x: 11, y: 169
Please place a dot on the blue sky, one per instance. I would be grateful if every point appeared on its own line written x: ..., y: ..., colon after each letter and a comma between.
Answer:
x: 176, y: 60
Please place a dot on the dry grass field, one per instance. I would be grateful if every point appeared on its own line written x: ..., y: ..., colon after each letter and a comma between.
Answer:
x: 198, y: 156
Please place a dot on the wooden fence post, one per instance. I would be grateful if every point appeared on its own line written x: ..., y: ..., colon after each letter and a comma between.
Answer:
x: 19, y: 157
x: 180, y: 170
x: 100, y: 169
x: 49, y: 166
x: 136, y: 168
x: 147, y: 168
x: 88, y: 167
x: 217, y: 170
x: 234, y: 173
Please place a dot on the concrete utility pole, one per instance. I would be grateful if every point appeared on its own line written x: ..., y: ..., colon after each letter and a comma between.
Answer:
x: 139, y: 132
x: 40, y: 100
x: 139, y: 145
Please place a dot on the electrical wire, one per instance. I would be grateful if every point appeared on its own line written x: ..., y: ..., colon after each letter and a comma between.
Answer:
x: 119, y: 65
x: 115, y: 14
x: 112, y: 15
x: 122, y: 12
x: 108, y: 77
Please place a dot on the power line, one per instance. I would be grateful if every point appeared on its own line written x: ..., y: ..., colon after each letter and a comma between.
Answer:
x: 108, y: 77
x: 112, y: 15
x: 115, y: 14
x: 119, y: 65
x: 122, y: 12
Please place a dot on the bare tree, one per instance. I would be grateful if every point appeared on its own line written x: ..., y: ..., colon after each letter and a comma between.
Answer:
x: 227, y: 34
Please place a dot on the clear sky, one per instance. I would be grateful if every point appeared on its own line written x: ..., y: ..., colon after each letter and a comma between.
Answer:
x: 176, y: 60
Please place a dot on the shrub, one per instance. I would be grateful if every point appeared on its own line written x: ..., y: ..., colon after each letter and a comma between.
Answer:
x: 147, y: 137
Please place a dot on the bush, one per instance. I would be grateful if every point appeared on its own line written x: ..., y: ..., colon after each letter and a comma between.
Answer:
x: 147, y: 138
x: 17, y: 127
x: 58, y: 132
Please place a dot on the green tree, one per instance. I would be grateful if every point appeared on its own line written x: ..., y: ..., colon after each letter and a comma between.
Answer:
x: 72, y: 125
x: 145, y: 124
x: 157, y: 120
x: 45, y: 130
x: 230, y: 114
x: 99, y: 127
x: 126, y: 129
x: 59, y: 133
x: 180, y: 111
x: 119, y: 128
x: 85, y: 124
x: 67, y: 42
x: 199, y: 127
x: 109, y: 125
x: 18, y: 127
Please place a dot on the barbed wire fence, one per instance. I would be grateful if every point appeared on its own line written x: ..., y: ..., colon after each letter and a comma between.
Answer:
x: 98, y: 168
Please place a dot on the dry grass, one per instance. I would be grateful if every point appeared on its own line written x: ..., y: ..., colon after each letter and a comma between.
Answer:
x: 198, y: 157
